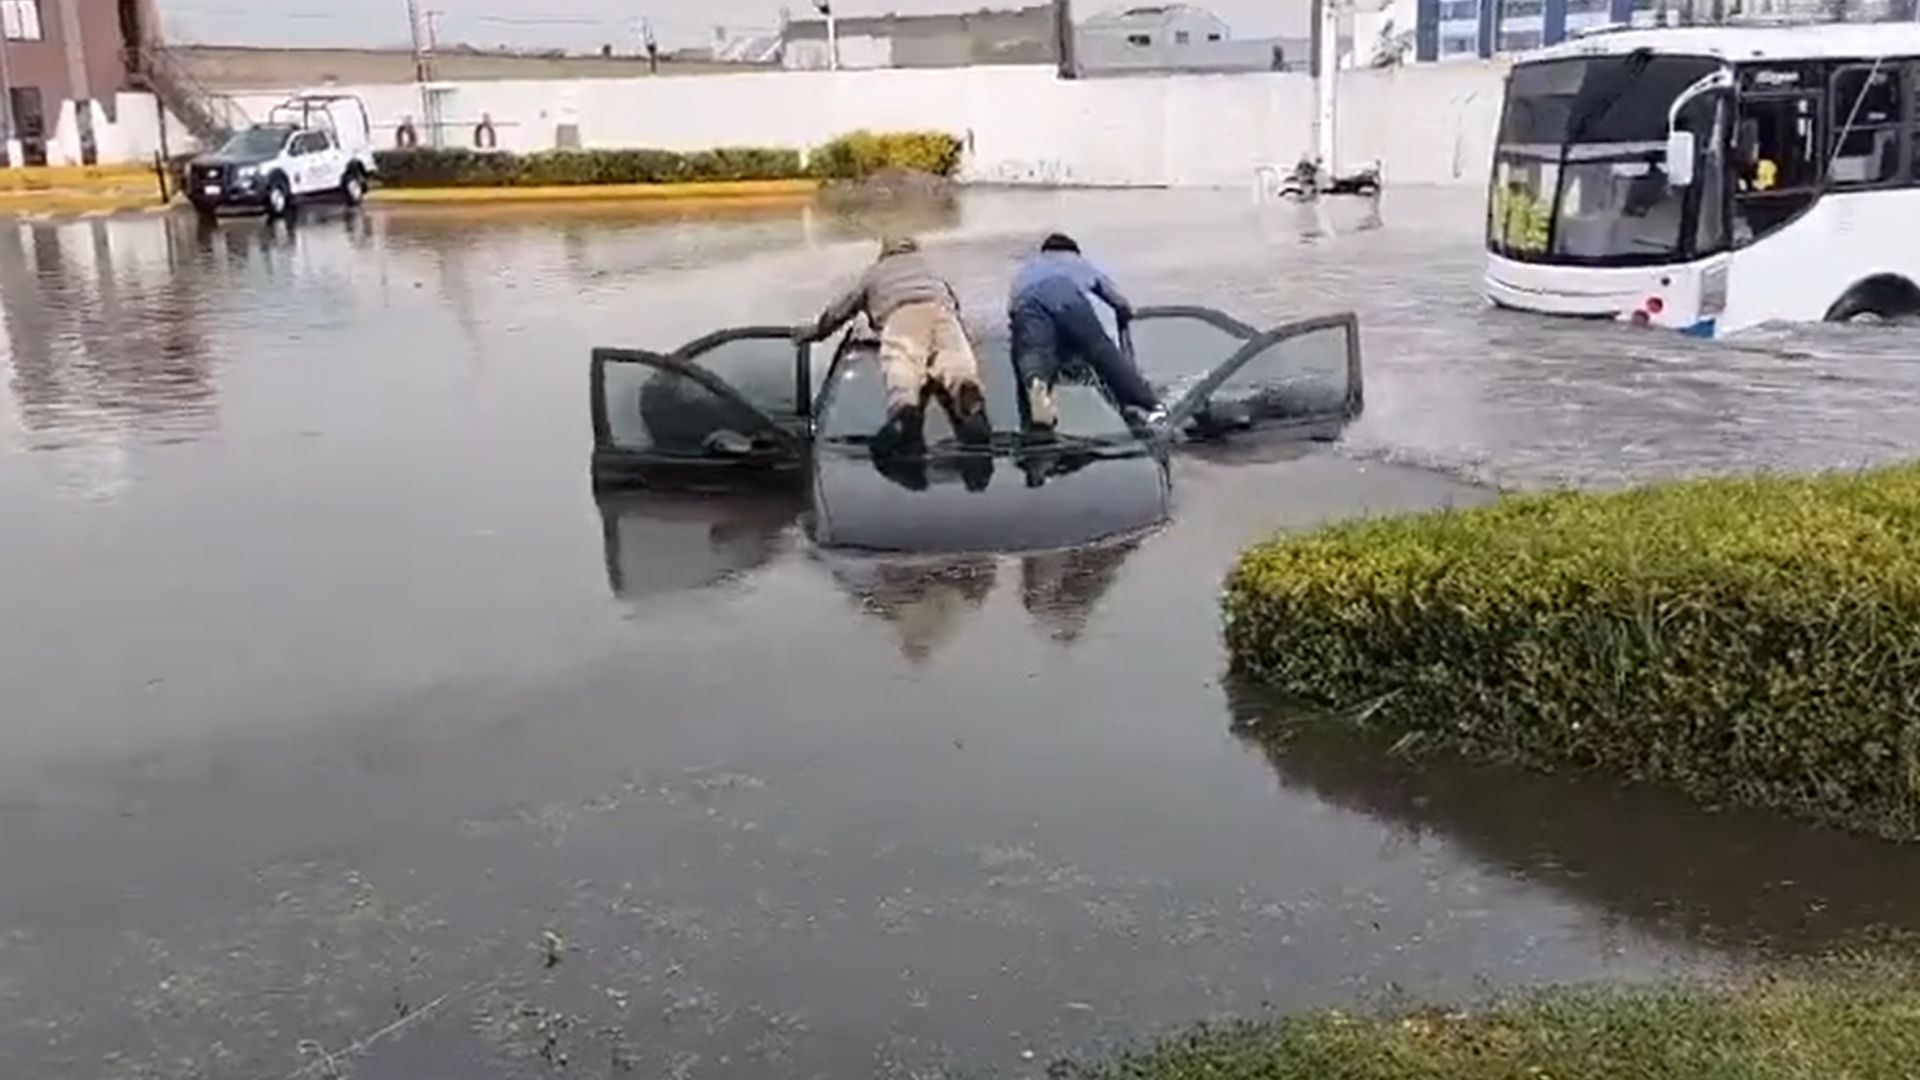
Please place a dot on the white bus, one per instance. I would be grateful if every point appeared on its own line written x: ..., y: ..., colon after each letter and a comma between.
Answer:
x: 1709, y: 179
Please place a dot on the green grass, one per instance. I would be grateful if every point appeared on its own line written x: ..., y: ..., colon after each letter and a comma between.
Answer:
x: 1860, y: 1022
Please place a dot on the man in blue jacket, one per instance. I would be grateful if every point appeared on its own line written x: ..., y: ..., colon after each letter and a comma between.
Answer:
x: 1050, y: 313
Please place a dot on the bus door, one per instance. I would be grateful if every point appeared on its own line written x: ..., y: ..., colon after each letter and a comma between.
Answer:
x: 1777, y: 147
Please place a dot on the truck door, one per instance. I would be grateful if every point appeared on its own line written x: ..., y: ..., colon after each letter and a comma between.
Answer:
x: 325, y: 172
x: 300, y: 162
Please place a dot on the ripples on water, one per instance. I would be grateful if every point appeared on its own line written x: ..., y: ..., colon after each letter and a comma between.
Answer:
x: 318, y: 709
x: 116, y: 331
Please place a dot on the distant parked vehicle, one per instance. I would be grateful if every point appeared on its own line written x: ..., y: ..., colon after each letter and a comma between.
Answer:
x: 312, y: 146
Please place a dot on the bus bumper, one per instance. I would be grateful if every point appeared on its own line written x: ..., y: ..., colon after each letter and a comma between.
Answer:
x: 1687, y: 297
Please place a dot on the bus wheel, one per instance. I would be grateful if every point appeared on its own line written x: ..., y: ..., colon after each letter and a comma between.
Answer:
x: 1884, y: 296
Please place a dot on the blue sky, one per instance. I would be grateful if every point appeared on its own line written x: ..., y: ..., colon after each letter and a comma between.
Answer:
x: 578, y: 24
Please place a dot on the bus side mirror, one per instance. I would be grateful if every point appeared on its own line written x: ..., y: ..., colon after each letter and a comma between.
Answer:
x: 1679, y: 158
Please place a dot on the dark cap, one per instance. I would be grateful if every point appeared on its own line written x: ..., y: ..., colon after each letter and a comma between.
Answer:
x: 1060, y: 242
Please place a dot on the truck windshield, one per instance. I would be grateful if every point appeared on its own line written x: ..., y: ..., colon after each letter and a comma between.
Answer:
x: 258, y: 141
x: 1579, y: 164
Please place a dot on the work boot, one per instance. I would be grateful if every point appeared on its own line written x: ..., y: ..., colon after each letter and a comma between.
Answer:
x: 970, y: 422
x: 1040, y: 410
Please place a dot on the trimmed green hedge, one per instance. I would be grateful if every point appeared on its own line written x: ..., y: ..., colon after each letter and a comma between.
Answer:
x: 849, y: 157
x: 1749, y: 640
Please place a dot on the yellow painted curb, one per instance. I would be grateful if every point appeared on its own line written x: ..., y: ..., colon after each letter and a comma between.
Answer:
x: 50, y: 177
x: 717, y: 191
x: 68, y: 202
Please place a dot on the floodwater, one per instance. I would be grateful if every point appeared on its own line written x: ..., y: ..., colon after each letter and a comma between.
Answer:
x: 346, y: 734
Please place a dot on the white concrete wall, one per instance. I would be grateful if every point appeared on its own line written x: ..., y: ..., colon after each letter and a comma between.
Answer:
x: 1429, y: 124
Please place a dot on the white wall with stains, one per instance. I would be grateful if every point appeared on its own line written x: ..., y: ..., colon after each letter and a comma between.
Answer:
x: 1428, y: 124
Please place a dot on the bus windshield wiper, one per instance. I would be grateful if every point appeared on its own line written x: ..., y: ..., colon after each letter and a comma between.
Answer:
x: 1635, y: 66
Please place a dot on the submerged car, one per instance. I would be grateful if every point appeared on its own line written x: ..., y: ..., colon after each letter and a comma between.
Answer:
x: 750, y: 408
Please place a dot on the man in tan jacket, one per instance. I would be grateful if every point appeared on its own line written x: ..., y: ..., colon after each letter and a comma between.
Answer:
x: 922, y: 344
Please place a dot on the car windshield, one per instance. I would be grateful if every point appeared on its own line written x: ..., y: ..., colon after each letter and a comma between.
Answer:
x: 1579, y: 171
x: 262, y: 141
x: 857, y: 405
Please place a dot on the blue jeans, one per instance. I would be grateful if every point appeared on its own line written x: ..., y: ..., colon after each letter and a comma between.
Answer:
x: 1054, y: 324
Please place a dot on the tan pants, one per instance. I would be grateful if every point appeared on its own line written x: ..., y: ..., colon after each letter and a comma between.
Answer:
x: 924, y: 344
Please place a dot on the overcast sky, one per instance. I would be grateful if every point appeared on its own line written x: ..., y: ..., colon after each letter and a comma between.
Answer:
x: 583, y: 24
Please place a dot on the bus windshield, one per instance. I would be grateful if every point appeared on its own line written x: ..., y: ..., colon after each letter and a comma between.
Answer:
x: 1579, y: 170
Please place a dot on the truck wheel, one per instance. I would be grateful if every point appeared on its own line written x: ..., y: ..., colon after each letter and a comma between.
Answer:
x: 353, y: 186
x: 279, y: 198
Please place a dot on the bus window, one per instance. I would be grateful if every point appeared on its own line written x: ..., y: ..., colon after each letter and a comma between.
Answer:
x: 1865, y: 111
x: 1784, y: 136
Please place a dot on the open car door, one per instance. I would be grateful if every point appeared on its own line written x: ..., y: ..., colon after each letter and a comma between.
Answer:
x: 722, y: 411
x: 1220, y: 377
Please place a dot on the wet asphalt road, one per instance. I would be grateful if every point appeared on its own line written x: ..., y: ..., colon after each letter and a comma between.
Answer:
x: 343, y: 728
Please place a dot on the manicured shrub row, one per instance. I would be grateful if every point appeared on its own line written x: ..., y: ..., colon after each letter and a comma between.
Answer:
x: 1749, y: 640
x: 863, y: 153
x: 849, y: 157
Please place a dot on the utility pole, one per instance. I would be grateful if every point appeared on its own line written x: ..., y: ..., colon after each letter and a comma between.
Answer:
x: 651, y: 44
x: 419, y: 44
x: 825, y: 8
x: 1326, y: 72
x: 8, y: 157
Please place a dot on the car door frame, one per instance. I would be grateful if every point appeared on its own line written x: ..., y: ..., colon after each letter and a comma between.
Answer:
x: 1353, y: 403
x: 1213, y: 316
x: 793, y: 437
x: 843, y: 346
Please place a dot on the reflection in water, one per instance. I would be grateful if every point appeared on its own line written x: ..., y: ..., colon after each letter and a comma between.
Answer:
x: 1311, y: 221
x: 924, y: 602
x: 1060, y: 588
x: 1739, y: 880
x: 103, y: 342
x: 636, y: 241
x: 657, y: 544
x: 912, y: 215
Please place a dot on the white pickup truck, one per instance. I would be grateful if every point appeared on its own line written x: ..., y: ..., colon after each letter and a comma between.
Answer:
x: 311, y: 146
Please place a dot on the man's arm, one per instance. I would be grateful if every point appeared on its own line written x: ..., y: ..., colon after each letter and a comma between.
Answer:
x: 1105, y: 289
x: 842, y: 310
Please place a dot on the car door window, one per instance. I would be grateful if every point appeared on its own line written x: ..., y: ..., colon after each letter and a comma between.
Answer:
x: 761, y: 364
x: 1176, y: 347
x: 728, y: 398
x: 657, y: 406
x: 1303, y: 374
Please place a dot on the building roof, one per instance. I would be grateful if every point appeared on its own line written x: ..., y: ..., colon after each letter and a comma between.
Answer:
x: 893, y: 25
x: 1149, y: 15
